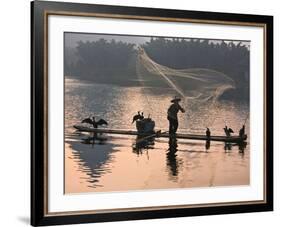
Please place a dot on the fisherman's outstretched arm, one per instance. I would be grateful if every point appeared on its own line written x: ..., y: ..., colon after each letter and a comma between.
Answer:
x: 181, y: 109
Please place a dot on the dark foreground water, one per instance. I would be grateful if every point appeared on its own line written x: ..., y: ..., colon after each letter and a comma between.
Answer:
x: 116, y: 163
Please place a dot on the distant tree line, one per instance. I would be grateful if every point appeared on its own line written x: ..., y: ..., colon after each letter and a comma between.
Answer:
x: 228, y: 58
x: 114, y: 62
x: 103, y: 62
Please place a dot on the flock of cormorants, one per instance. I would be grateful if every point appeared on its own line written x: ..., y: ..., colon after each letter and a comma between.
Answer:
x: 139, y: 116
x: 92, y: 120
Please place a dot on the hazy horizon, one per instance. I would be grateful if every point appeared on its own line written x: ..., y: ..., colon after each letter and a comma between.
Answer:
x: 72, y: 39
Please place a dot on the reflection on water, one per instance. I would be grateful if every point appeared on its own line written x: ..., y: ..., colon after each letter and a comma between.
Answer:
x: 172, y: 160
x: 141, y: 144
x: 121, y: 163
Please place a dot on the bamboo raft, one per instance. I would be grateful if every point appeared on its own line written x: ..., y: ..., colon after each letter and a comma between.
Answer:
x: 226, y: 139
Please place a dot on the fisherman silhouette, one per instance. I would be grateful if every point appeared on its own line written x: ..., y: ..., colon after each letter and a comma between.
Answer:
x: 173, y: 115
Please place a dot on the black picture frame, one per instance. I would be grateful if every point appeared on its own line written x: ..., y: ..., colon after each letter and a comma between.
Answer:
x: 39, y: 96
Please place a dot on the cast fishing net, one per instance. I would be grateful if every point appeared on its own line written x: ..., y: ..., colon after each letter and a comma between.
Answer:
x: 198, y: 87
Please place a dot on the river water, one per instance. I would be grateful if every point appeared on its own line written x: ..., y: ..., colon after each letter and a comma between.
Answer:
x: 116, y: 163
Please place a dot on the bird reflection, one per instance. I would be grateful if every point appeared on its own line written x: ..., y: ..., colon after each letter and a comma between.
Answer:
x: 172, y: 160
x: 92, y: 164
x: 227, y: 147
x: 92, y: 140
x: 241, y: 147
x: 207, y: 145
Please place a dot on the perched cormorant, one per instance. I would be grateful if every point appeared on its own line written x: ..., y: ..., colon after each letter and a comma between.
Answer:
x: 228, y: 131
x: 94, y: 122
x: 242, y: 131
x: 208, y: 133
x: 87, y: 120
x: 137, y: 117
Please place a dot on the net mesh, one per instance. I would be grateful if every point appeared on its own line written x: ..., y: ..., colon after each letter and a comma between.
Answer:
x: 196, y: 86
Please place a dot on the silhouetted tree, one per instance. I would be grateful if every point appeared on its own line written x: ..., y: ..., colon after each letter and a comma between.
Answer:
x: 114, y: 62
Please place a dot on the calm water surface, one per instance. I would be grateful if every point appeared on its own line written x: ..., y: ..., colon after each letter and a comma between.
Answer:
x: 116, y: 163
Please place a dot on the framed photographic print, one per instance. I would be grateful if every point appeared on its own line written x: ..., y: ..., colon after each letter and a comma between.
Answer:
x: 142, y: 113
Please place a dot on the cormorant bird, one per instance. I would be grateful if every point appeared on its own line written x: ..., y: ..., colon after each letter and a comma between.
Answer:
x: 242, y: 131
x: 141, y: 117
x: 94, y: 122
x: 208, y: 133
x: 228, y: 131
x: 87, y: 120
x: 137, y: 117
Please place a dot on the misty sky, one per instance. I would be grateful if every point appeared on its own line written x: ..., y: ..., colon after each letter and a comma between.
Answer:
x: 72, y: 39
